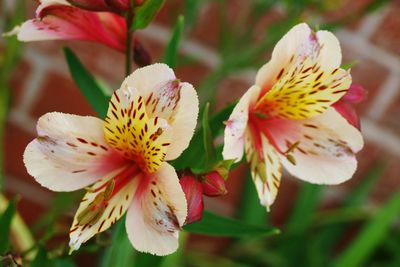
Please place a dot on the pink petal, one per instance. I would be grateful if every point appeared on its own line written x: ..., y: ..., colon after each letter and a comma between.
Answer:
x: 214, y: 184
x: 194, y: 197
x: 348, y: 113
x: 63, y: 22
x: 355, y: 94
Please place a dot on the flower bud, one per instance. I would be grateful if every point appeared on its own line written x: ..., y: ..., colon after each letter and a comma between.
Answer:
x: 194, y: 197
x: 355, y: 94
x: 140, y: 55
x: 213, y: 184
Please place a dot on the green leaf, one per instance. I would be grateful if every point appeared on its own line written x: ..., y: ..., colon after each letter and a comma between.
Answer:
x: 5, y: 225
x: 41, y: 259
x: 145, y: 259
x: 208, y: 140
x: 371, y: 235
x: 171, y: 51
x: 305, y: 207
x: 89, y: 87
x: 215, y: 225
x: 121, y: 252
x: 251, y: 211
x: 190, y: 157
x: 145, y: 13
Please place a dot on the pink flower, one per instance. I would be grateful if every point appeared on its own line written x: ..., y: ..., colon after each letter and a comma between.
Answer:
x: 150, y: 119
x: 194, y: 197
x: 287, y: 117
x: 58, y: 20
x: 213, y: 184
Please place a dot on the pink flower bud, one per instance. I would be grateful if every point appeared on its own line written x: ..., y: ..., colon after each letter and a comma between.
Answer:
x: 355, y: 94
x: 194, y: 197
x: 214, y: 184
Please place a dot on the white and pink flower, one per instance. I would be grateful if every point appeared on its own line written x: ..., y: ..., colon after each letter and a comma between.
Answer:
x: 59, y: 20
x: 289, y: 118
x: 120, y: 160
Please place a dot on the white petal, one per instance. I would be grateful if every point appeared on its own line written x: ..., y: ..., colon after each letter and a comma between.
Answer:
x: 112, y: 210
x: 291, y: 42
x: 301, y: 41
x: 70, y: 152
x: 150, y: 219
x: 149, y: 78
x: 237, y: 124
x: 179, y: 106
x: 326, y: 150
x: 184, y: 122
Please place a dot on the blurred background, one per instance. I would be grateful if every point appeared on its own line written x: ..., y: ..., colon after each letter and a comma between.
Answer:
x: 353, y: 224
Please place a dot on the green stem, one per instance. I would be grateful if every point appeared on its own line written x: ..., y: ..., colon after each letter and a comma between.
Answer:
x: 21, y: 236
x: 129, y: 48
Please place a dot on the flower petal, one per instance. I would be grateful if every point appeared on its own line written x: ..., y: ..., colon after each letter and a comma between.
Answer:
x: 322, y: 148
x: 266, y: 169
x: 348, y: 113
x: 130, y: 131
x: 237, y: 124
x: 100, y: 208
x: 170, y: 99
x: 184, y: 122
x: 306, y: 78
x: 157, y: 213
x: 58, y: 21
x: 70, y: 152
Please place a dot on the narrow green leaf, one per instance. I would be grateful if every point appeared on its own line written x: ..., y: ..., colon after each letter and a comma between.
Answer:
x: 63, y: 263
x: 171, y: 51
x: 5, y: 225
x: 121, y: 252
x: 208, y: 140
x: 145, y: 13
x: 305, y: 207
x: 190, y: 157
x: 41, y: 259
x: 251, y: 211
x: 89, y: 87
x: 215, y: 225
x: 371, y: 235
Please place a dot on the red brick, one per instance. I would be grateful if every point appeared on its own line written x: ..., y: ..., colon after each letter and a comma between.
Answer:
x: 15, y: 141
x: 391, y: 117
x: 61, y: 94
x: 18, y: 81
x: 229, y: 90
x: 387, y: 34
x: 367, y: 73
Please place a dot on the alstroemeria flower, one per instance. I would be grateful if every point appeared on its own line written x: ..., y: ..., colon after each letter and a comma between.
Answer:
x: 58, y: 20
x: 121, y: 160
x: 286, y: 118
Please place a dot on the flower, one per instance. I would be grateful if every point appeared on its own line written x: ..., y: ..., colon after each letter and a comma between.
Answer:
x: 58, y: 20
x: 287, y: 117
x: 193, y: 190
x: 213, y: 184
x: 121, y: 160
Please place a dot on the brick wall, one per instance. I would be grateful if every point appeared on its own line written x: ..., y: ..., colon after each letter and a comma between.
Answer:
x: 41, y: 84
